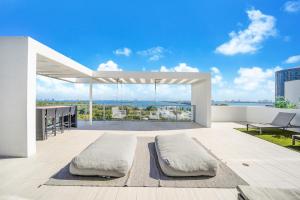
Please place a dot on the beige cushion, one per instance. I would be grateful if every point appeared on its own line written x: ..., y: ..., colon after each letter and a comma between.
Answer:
x: 180, y: 155
x: 110, y: 155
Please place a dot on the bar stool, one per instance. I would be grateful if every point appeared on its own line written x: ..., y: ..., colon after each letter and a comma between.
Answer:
x: 72, y: 114
x: 59, y: 119
x: 66, y: 117
x: 50, y: 121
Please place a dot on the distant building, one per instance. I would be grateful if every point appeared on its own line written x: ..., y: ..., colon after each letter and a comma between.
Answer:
x: 283, y: 76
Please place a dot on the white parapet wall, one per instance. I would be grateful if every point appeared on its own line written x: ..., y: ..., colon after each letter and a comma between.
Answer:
x: 257, y: 114
x: 229, y: 113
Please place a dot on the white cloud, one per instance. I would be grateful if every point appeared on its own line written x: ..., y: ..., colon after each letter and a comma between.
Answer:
x: 123, y: 51
x: 215, y: 70
x: 109, y: 66
x: 251, y: 84
x: 49, y: 88
x: 293, y: 59
x: 254, y: 78
x: 292, y: 6
x: 217, y: 78
x: 249, y: 40
x: 181, y: 67
x: 154, y: 53
x: 164, y: 91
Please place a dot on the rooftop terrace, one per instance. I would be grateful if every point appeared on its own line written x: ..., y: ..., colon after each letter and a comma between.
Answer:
x: 269, y: 165
x: 258, y: 162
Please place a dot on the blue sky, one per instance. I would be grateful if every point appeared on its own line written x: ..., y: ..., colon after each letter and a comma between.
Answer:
x: 242, y: 43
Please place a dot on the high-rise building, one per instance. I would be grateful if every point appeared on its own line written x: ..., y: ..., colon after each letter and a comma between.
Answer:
x: 285, y: 75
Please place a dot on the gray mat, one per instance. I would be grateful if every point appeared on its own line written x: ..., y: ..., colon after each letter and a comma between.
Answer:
x: 145, y: 172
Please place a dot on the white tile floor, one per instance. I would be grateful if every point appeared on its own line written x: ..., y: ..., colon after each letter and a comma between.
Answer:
x: 269, y: 164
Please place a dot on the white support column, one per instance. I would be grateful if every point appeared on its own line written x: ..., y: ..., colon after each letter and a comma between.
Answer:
x: 18, y: 97
x: 201, y: 98
x: 91, y: 103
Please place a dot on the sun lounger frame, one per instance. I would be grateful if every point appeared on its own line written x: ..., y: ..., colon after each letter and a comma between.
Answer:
x: 271, y: 125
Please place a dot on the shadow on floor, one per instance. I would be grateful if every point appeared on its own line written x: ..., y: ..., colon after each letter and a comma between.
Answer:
x: 136, y: 125
x: 9, y: 157
x: 296, y: 148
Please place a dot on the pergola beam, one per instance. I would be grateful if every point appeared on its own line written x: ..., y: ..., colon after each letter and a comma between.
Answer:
x: 69, y: 80
x: 141, y: 80
x: 150, y: 75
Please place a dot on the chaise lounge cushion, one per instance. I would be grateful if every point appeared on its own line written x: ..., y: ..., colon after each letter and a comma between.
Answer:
x: 283, y: 119
x: 111, y: 155
x: 180, y: 155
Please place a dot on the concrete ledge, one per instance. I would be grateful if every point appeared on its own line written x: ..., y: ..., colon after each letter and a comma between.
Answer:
x: 255, y: 114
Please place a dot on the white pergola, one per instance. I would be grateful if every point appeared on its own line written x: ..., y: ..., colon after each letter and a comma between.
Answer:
x: 22, y: 58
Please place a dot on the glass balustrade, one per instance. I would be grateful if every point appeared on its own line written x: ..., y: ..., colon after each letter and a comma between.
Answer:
x: 151, y: 112
x: 183, y: 112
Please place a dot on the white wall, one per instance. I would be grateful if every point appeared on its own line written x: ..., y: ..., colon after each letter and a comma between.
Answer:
x: 201, y: 98
x: 18, y: 95
x: 229, y: 113
x: 292, y: 91
x: 257, y: 114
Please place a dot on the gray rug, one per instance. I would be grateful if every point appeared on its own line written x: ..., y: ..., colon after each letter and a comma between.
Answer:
x: 145, y: 172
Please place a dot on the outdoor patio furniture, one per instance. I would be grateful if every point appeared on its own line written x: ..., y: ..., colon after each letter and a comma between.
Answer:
x: 50, y: 121
x: 118, y: 114
x: 66, y: 117
x: 154, y: 116
x: 72, y: 114
x: 59, y: 125
x: 45, y: 123
x: 295, y: 138
x: 180, y: 155
x: 282, y: 120
x: 111, y: 155
x: 262, y: 193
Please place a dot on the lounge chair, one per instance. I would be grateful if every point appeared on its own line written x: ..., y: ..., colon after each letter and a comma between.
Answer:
x: 181, y: 156
x: 261, y: 193
x: 109, y: 156
x: 295, y: 138
x: 154, y: 116
x: 118, y: 114
x: 282, y: 120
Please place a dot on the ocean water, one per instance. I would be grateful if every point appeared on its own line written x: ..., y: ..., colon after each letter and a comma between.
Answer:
x: 178, y: 103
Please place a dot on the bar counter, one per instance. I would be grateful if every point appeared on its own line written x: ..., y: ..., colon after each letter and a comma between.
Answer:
x: 41, y: 120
